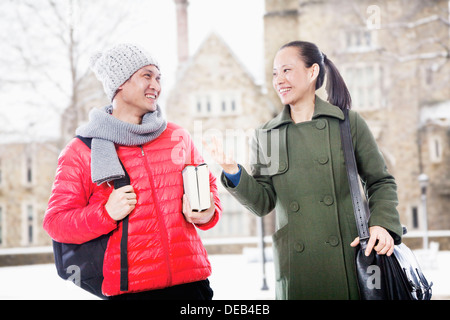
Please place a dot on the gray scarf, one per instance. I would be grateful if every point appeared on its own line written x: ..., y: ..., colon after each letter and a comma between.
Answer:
x: 106, y: 131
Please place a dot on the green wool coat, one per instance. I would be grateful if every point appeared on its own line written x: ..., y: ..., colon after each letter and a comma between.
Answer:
x: 299, y: 170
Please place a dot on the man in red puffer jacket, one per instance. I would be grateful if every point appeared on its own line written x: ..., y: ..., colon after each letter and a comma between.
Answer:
x: 166, y: 258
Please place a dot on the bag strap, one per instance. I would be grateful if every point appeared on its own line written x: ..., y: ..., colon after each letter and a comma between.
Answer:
x: 118, y: 183
x: 359, y: 209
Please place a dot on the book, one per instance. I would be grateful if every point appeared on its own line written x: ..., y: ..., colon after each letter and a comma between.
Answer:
x: 196, y: 186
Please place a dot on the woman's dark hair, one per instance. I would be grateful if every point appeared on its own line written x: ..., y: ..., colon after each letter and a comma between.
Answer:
x: 337, y: 91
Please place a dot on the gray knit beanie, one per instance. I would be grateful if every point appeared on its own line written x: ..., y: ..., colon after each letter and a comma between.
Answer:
x: 116, y: 65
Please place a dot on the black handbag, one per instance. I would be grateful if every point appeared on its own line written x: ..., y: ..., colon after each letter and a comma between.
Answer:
x: 380, y: 277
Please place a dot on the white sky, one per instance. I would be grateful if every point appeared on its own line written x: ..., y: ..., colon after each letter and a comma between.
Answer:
x: 152, y: 23
x: 239, y: 22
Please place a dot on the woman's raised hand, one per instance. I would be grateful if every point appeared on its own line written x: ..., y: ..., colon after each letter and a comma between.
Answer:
x: 227, y: 162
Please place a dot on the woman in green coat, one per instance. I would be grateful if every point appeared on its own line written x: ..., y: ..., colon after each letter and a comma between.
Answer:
x: 298, y: 169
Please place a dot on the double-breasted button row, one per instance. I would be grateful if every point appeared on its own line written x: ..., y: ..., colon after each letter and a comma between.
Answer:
x: 327, y: 200
x: 332, y: 241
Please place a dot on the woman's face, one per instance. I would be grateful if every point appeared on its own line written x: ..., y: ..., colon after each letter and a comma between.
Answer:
x: 292, y: 81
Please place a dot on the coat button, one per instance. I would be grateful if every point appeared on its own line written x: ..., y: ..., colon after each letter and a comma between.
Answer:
x: 299, y: 247
x: 294, y: 206
x: 333, y: 241
x: 328, y: 200
x: 323, y: 160
x: 320, y: 124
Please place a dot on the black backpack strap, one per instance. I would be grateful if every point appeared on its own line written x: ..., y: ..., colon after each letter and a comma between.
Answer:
x: 118, y: 183
x: 86, y: 141
x: 124, y: 256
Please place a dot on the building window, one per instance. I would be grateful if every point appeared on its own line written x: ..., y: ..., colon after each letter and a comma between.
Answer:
x: 203, y: 105
x: 435, y: 144
x: 29, y: 222
x: 364, y: 83
x: 415, y: 217
x: 216, y: 103
x: 229, y: 104
x: 28, y: 170
x: 360, y: 40
x: 30, y: 218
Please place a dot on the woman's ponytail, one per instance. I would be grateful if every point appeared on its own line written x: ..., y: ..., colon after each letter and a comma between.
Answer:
x: 337, y: 91
x: 336, y: 88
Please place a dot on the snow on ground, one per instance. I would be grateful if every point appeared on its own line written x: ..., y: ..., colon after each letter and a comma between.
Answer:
x: 235, y: 277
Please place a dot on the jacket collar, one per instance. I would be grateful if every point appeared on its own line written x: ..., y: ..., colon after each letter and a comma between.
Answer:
x: 321, y: 108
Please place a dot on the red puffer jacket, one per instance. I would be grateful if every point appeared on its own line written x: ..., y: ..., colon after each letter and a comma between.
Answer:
x: 163, y: 249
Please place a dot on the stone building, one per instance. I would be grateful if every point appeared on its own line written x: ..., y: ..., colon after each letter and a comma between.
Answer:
x: 27, y: 171
x: 215, y: 96
x: 394, y: 57
x: 26, y: 176
x: 434, y: 142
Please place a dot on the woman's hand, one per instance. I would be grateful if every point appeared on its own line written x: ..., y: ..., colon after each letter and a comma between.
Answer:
x: 201, y: 217
x: 380, y: 240
x: 227, y: 162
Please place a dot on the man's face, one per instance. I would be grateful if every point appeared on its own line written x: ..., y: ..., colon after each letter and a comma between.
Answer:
x: 140, y: 93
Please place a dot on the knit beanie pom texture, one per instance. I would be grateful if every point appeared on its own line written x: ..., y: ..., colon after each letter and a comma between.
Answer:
x: 116, y: 65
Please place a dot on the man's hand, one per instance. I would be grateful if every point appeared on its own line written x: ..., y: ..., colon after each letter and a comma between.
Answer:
x: 198, y: 217
x: 121, y: 202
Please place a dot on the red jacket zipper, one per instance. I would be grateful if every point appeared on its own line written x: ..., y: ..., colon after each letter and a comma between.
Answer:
x: 162, y: 226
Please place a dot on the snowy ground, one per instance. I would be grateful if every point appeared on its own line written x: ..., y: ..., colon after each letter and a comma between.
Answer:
x: 234, y: 277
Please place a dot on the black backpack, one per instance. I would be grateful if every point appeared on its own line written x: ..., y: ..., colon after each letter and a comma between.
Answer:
x: 83, y: 263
